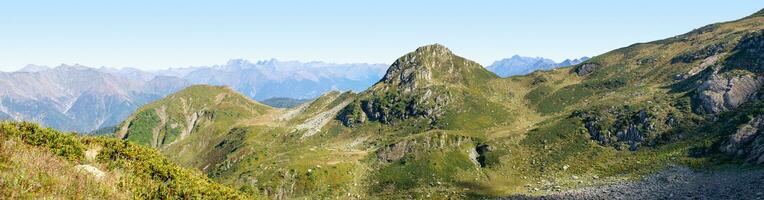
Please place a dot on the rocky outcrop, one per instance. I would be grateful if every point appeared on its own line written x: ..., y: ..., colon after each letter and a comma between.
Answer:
x: 481, y: 151
x: 162, y: 114
x: 315, y: 123
x: 747, y: 142
x: 723, y: 92
x: 392, y: 107
x: 749, y: 53
x: 396, y: 151
x: 705, y: 52
x: 628, y: 128
x: 586, y: 69
x: 706, y: 63
x: 737, y: 80
x: 399, y: 150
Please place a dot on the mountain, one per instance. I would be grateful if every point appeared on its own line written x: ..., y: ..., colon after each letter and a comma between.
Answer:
x: 75, y: 97
x: 439, y: 126
x: 427, y: 83
x: 519, y: 65
x: 84, y: 99
x: 195, y: 116
x: 273, y: 78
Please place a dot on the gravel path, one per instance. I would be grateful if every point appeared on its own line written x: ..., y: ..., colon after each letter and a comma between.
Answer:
x: 676, y: 183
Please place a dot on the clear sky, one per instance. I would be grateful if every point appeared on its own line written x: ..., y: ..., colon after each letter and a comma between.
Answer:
x: 153, y: 34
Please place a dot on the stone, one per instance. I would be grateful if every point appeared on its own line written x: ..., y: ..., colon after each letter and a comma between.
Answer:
x: 723, y: 93
x: 586, y: 69
x: 91, y: 170
x: 91, y: 154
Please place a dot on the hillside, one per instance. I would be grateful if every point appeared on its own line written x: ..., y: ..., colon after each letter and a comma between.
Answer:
x: 441, y: 126
x: 185, y: 123
x: 42, y: 163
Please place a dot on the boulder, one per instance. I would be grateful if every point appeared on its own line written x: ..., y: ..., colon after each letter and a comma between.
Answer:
x: 630, y: 128
x: 587, y: 68
x: 91, y: 170
x: 721, y: 93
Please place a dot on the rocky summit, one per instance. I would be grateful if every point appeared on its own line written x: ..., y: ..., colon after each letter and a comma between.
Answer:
x: 420, y: 84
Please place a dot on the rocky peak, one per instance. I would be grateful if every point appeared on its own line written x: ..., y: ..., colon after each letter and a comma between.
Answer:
x: 432, y: 65
x: 420, y: 84
x: 437, y: 49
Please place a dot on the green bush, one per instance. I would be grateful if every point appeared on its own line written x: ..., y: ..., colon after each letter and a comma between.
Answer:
x: 61, y: 144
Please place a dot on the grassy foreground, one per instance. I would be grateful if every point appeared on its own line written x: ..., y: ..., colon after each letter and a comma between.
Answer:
x: 42, y: 163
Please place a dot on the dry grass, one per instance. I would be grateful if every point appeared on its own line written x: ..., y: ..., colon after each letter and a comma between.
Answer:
x: 34, y: 173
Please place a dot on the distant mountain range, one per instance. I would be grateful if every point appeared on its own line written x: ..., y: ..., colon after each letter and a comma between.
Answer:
x: 520, y: 65
x: 274, y: 78
x: 77, y: 98
x: 83, y: 99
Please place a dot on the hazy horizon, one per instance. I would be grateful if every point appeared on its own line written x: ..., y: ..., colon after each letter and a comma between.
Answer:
x: 150, y: 35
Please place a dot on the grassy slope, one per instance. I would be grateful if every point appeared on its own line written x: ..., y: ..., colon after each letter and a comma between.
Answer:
x: 217, y: 110
x: 635, y: 77
x: 38, y: 162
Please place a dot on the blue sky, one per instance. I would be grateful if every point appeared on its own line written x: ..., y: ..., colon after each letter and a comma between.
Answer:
x: 160, y: 34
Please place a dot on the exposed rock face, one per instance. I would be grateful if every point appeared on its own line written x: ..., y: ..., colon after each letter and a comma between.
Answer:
x: 722, y: 93
x: 747, y: 142
x: 396, y: 151
x: 737, y: 80
x: 315, y: 123
x: 587, y: 68
x: 749, y: 53
x: 629, y: 129
x: 481, y: 151
x: 399, y: 150
x: 705, y: 52
x: 391, y: 107
x: 707, y: 62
